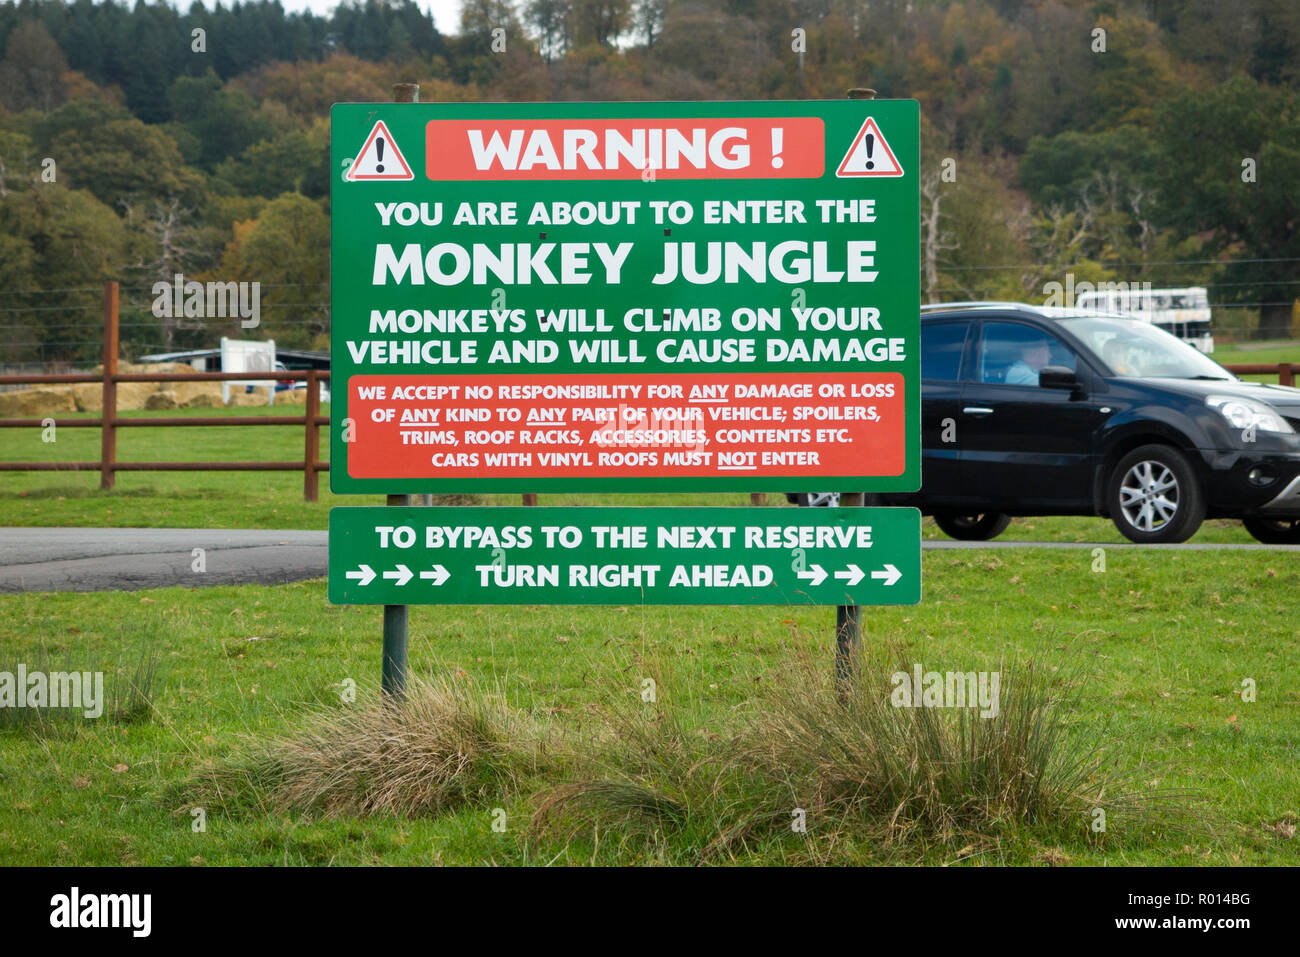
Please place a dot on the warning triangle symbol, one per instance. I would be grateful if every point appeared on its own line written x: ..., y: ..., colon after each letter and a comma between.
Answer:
x: 379, y: 159
x: 869, y: 155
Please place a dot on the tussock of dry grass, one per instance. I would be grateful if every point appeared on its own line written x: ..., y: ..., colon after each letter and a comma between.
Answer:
x: 447, y: 745
x: 856, y: 757
x: 855, y: 766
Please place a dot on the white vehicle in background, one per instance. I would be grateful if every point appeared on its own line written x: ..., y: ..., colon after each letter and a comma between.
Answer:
x: 1184, y: 313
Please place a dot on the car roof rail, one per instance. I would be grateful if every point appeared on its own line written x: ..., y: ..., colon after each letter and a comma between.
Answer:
x: 979, y: 304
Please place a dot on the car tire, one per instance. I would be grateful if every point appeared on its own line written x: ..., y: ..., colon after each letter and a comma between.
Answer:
x: 819, y: 499
x: 972, y: 526
x: 1155, y: 497
x: 1274, y: 531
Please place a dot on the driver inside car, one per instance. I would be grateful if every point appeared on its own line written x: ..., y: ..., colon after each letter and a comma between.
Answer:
x: 1113, y: 353
x: 1035, y: 355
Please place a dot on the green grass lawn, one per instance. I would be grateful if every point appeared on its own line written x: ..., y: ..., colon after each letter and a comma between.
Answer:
x: 1165, y: 638
x: 1270, y: 353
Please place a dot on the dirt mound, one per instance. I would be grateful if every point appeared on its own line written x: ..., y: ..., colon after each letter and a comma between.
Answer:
x: 195, y: 395
x: 26, y: 403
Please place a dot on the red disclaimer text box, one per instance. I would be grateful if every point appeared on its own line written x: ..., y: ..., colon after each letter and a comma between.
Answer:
x: 740, y: 148
x: 670, y: 426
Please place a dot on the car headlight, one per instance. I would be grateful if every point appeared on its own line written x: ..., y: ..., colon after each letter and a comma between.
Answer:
x: 1248, y: 414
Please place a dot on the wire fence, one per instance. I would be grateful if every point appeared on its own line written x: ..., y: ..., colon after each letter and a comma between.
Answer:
x: 38, y: 341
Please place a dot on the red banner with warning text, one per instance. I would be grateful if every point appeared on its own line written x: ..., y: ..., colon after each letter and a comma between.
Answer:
x: 670, y: 426
x: 740, y: 148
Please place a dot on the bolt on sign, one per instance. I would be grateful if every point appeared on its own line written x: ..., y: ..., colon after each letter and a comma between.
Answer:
x: 625, y: 297
x: 624, y: 556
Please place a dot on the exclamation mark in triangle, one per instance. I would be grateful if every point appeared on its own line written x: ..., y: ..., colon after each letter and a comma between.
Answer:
x: 869, y: 154
x: 379, y: 159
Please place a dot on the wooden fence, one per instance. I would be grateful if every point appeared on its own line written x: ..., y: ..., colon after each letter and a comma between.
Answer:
x: 109, y: 421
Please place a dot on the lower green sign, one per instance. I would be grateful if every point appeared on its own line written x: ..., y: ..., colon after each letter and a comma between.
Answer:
x: 624, y: 556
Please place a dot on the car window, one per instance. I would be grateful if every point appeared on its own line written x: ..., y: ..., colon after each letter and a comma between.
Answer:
x: 1132, y: 347
x: 1011, y: 353
x: 941, y: 348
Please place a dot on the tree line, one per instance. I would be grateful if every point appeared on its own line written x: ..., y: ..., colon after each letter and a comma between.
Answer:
x: 1119, y: 141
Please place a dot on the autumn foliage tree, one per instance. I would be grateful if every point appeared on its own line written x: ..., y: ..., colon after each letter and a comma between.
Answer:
x: 1108, y: 139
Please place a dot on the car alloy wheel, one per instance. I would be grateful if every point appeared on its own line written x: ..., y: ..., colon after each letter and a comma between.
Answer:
x: 1150, y: 496
x: 1154, y: 496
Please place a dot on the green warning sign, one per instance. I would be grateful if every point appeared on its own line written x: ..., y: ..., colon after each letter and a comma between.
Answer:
x: 568, y: 297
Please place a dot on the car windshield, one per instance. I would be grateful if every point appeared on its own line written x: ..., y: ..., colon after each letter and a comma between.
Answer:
x: 1132, y: 347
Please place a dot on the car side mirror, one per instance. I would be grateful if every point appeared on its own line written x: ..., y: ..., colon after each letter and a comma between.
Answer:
x: 1058, y: 377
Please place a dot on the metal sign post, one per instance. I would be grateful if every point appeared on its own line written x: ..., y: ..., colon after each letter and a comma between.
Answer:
x: 848, y: 618
x: 397, y: 618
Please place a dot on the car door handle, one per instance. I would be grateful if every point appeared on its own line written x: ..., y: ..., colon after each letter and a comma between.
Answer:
x: 977, y: 410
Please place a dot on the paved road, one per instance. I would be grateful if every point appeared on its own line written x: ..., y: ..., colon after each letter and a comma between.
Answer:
x: 101, y: 559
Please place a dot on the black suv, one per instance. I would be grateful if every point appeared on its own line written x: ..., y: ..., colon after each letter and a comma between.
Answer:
x: 1030, y: 410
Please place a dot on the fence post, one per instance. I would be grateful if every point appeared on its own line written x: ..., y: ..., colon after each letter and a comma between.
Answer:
x: 1286, y: 373
x: 108, y: 415
x: 311, y: 451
